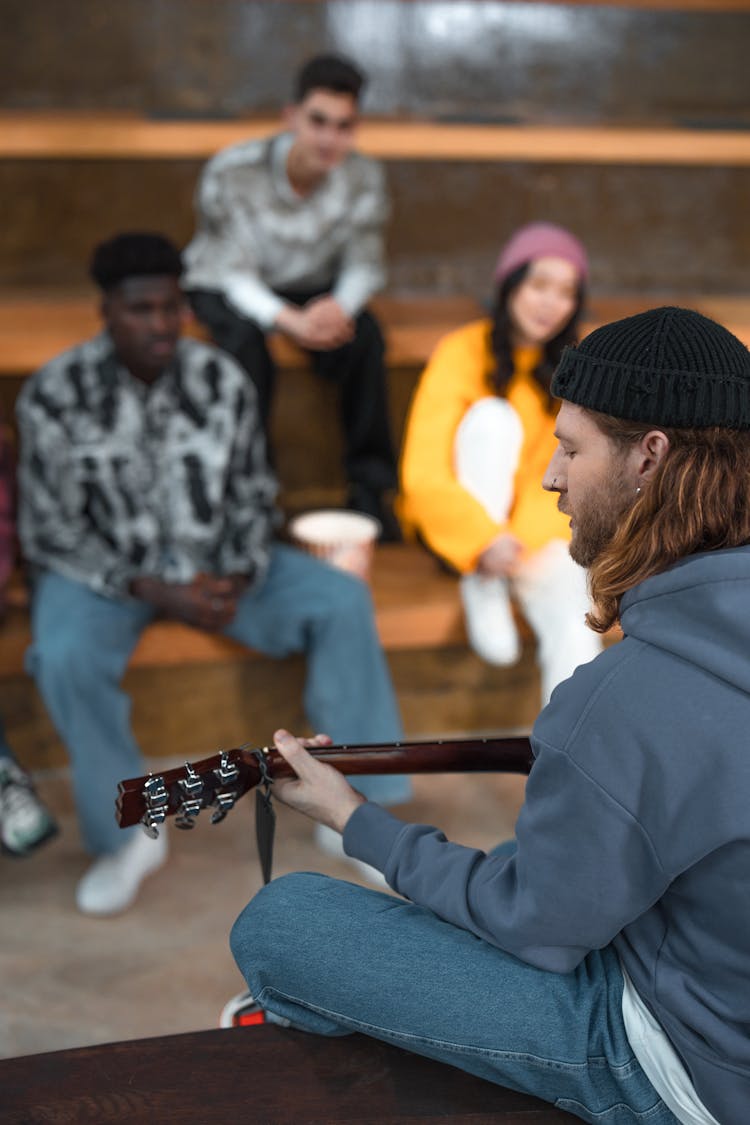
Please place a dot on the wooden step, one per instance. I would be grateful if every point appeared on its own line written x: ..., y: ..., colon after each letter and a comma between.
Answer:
x: 35, y: 326
x: 417, y: 605
x: 87, y: 135
x: 263, y: 1074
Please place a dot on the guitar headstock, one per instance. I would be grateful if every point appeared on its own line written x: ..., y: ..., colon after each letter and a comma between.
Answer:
x: 216, y: 782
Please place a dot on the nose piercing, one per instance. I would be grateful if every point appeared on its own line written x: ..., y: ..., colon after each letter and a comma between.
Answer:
x: 554, y: 482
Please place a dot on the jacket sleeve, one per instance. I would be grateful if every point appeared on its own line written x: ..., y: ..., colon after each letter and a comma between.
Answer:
x: 229, y: 238
x: 53, y: 529
x: 583, y: 869
x: 250, y: 492
x: 450, y: 520
x: 362, y: 268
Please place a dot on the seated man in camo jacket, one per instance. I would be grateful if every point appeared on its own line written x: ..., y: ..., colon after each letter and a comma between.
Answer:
x: 144, y: 491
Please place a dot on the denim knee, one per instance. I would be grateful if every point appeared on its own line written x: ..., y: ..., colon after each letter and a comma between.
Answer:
x: 59, y: 657
x: 269, y: 922
x: 353, y: 601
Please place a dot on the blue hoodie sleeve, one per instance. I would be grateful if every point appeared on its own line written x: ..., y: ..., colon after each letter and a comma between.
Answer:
x: 583, y: 869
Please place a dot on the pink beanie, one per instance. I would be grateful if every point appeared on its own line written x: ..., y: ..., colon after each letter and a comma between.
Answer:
x: 540, y: 240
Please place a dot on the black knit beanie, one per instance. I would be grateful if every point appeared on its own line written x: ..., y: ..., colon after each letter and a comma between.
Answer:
x: 667, y: 366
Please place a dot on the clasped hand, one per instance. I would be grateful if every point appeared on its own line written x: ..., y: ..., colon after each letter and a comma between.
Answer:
x: 501, y: 557
x: 208, y: 602
x: 320, y: 325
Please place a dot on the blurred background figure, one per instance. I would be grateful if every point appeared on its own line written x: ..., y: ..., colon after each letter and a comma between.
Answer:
x: 25, y: 823
x: 144, y: 493
x: 290, y: 239
x: 479, y: 436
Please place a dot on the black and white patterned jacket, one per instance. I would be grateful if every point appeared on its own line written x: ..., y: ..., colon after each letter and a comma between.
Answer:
x: 257, y: 237
x: 118, y: 479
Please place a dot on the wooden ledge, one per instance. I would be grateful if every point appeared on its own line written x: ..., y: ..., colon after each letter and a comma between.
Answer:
x: 264, y: 1073
x: 36, y: 326
x: 416, y: 606
x: 45, y: 135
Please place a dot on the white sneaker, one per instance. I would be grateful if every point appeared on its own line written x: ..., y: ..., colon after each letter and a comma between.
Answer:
x: 112, y: 882
x: 330, y: 843
x: 243, y: 1010
x: 24, y: 821
x: 490, y: 625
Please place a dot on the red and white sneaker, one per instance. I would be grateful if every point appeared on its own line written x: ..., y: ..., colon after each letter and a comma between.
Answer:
x: 242, y: 1011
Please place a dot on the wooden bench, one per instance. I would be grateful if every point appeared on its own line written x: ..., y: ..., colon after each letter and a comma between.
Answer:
x: 416, y: 606
x: 72, y: 135
x: 261, y: 1074
x: 37, y: 325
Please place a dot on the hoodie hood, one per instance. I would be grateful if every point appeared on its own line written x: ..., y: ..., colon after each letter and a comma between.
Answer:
x: 711, y: 631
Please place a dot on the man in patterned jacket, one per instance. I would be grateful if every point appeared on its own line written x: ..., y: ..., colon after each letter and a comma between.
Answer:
x: 290, y: 239
x: 144, y: 492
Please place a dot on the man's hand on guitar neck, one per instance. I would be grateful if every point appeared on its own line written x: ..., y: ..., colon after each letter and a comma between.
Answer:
x: 319, y: 790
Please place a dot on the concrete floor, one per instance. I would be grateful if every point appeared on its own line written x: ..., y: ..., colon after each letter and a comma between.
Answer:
x: 164, y: 966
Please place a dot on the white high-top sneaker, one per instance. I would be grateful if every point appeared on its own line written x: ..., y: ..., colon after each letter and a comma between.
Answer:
x: 112, y: 882
x: 490, y: 625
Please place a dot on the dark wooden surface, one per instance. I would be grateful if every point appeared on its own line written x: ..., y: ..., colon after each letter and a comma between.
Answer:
x: 263, y: 1075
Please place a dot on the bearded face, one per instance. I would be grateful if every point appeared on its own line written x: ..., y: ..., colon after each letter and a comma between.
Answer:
x: 597, y: 516
x: 597, y: 479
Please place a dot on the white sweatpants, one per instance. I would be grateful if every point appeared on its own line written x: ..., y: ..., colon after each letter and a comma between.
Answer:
x: 549, y: 587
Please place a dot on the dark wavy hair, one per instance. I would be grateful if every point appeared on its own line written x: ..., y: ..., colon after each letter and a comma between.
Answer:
x: 501, y: 337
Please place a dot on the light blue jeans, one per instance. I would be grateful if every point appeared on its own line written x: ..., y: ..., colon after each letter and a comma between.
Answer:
x: 82, y: 643
x: 331, y: 957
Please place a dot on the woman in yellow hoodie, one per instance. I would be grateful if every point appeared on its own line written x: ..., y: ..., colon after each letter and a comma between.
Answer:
x: 479, y: 436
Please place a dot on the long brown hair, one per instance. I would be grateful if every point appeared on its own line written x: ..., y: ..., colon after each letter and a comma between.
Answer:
x: 697, y: 500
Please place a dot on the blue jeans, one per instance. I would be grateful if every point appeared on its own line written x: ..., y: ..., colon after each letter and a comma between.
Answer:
x: 82, y: 643
x: 331, y: 957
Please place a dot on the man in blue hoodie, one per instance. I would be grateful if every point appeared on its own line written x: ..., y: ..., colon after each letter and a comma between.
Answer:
x: 602, y: 960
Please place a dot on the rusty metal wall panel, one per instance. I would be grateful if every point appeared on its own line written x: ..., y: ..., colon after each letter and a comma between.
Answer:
x: 649, y: 229
x: 466, y: 59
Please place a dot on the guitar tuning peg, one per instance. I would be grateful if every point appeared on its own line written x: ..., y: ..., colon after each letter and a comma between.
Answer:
x: 156, y: 800
x: 226, y: 771
x: 224, y: 801
x: 191, y: 786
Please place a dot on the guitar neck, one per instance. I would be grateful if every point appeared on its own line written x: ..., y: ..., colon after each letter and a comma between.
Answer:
x: 219, y: 781
x: 476, y: 755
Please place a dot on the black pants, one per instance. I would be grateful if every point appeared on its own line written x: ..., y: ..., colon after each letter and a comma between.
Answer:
x: 357, y: 368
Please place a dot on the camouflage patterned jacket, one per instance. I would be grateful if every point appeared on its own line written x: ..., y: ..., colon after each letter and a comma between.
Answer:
x: 118, y: 479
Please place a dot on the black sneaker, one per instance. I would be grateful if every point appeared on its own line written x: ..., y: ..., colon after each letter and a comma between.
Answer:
x: 25, y: 823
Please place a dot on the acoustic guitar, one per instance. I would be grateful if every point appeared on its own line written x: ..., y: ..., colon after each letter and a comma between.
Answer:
x: 218, y: 782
